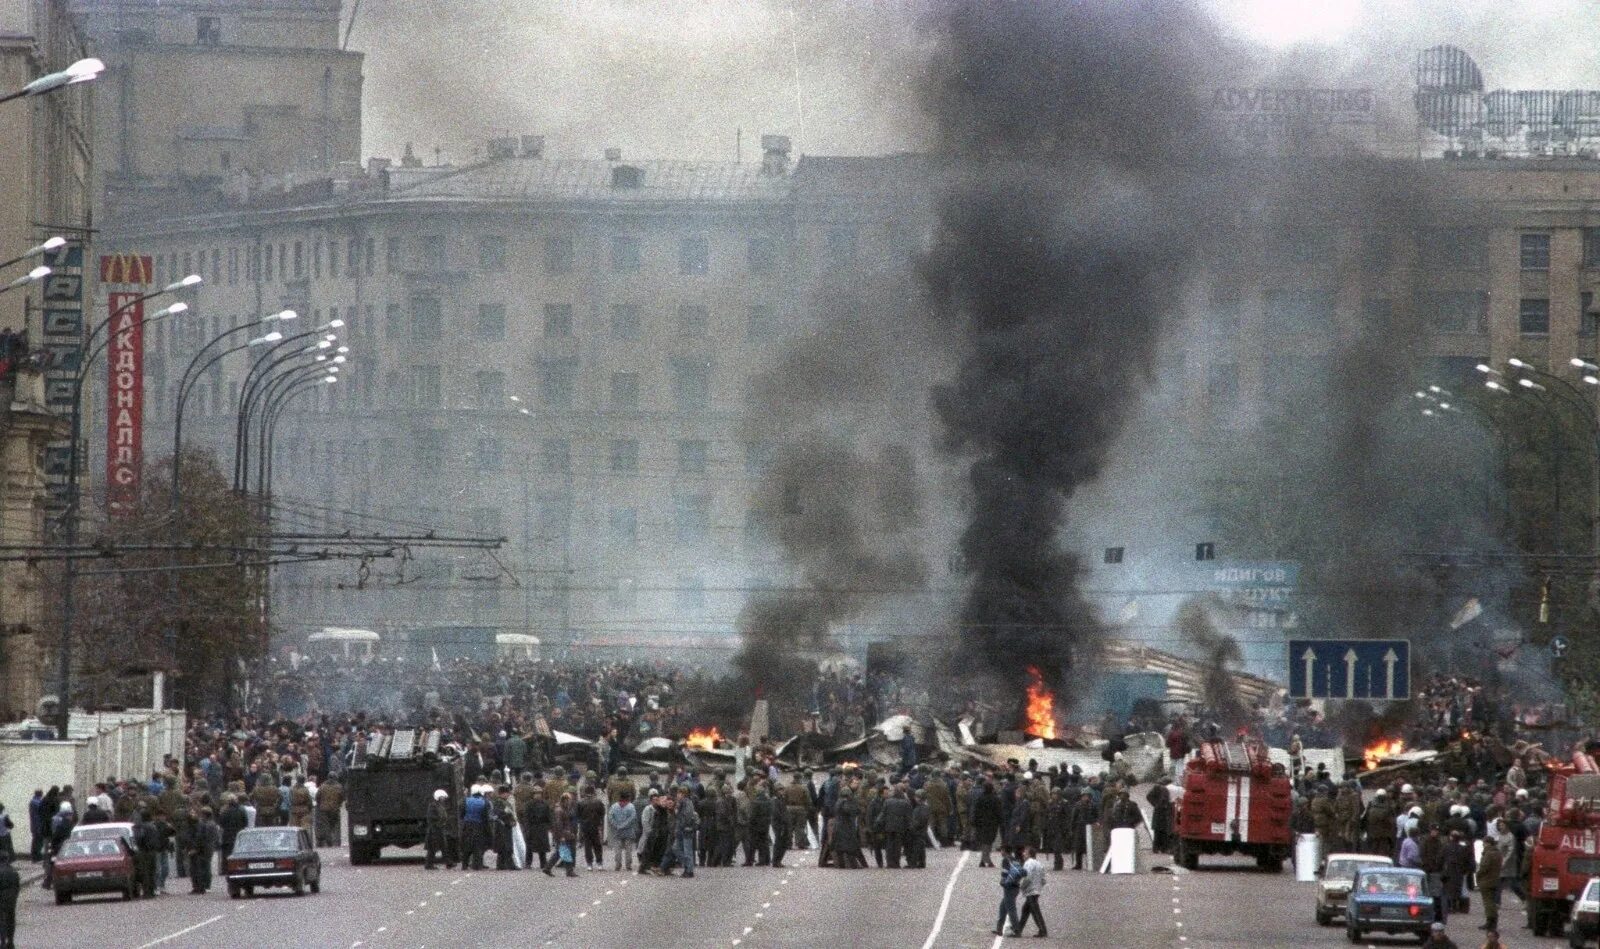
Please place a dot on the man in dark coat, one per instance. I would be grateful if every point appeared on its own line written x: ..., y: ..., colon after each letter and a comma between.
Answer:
x: 917, y: 836
x: 727, y: 814
x: 1018, y: 821
x: 10, y: 889
x: 1161, y: 818
x: 204, y: 839
x: 781, y: 831
x: 844, y: 838
x: 1458, y: 864
x: 1058, y: 827
x: 534, y: 813
x: 148, y: 843
x: 1085, y: 814
x: 592, y: 824
x: 233, y: 820
x: 895, y: 823
x: 759, y: 844
x: 985, y: 822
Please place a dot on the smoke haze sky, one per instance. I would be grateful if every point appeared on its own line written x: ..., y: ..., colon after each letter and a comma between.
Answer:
x: 675, y: 78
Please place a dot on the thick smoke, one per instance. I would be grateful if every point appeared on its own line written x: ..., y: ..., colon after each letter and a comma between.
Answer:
x: 840, y: 498
x: 1078, y: 197
x: 1219, y: 654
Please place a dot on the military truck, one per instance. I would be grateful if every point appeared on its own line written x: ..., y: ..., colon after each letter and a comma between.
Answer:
x: 388, y: 790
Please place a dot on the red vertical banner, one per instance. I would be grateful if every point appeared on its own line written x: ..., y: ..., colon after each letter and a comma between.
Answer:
x: 124, y: 403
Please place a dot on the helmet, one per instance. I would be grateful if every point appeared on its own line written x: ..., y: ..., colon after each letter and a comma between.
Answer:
x: 1407, y: 789
x: 440, y: 794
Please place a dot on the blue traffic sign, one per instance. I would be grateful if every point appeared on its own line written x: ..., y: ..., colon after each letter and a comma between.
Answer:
x: 1349, y: 668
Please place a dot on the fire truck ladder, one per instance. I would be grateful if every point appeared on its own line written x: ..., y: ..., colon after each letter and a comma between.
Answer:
x: 1235, y: 756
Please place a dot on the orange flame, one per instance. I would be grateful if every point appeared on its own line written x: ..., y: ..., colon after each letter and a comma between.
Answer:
x: 704, y: 739
x: 1041, y: 707
x: 1374, y: 754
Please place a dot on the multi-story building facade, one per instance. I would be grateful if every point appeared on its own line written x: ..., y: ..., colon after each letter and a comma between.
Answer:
x: 550, y: 351
x: 45, y: 148
x: 266, y: 87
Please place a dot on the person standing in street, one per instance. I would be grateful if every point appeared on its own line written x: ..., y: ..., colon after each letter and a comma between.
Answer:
x: 1488, y: 879
x: 566, y: 834
x: 205, y: 838
x: 437, y: 833
x: 1010, y: 885
x: 623, y: 822
x: 474, y: 829
x: 1032, y: 888
x: 330, y: 797
x: 592, y: 823
x: 10, y: 889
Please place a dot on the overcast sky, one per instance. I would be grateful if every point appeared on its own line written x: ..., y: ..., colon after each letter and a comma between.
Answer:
x: 677, y: 78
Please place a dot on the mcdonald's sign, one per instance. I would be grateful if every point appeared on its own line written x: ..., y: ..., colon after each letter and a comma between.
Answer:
x: 138, y: 269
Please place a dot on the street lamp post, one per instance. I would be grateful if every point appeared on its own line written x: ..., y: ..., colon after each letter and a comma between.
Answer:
x: 191, y: 375
x: 265, y: 399
x: 263, y: 366
x: 69, y: 569
x: 84, y: 70
x: 269, y: 423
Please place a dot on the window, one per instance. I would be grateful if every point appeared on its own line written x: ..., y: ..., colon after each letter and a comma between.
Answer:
x: 1300, y: 310
x: 492, y: 254
x: 625, y: 455
x: 691, y: 385
x: 555, y: 455
x: 627, y: 256
x: 757, y: 457
x: 1222, y: 387
x: 427, y: 318
x: 761, y: 322
x: 558, y: 320
x: 691, y: 517
x: 1454, y: 248
x: 1226, y: 308
x: 626, y: 320
x: 283, y: 262
x: 1455, y: 311
x: 425, y: 387
x: 1591, y: 247
x: 693, y: 320
x: 839, y: 248
x: 371, y: 255
x: 431, y: 252
x: 216, y: 266
x: 490, y: 455
x: 352, y: 255
x: 299, y: 260
x: 316, y: 260
x: 1533, y: 317
x: 691, y: 594
x: 623, y: 594
x: 333, y: 258
x: 429, y: 446
x: 491, y: 321
x: 557, y: 379
x: 491, y: 389
x: 694, y: 256
x: 762, y: 255
x: 625, y: 390
x: 207, y: 31
x: 1588, y: 318
x: 391, y: 255
x: 692, y: 456
x: 1536, y: 252
x: 625, y: 525
x: 559, y: 253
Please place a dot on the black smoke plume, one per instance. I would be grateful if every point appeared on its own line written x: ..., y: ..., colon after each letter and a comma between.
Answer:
x: 1079, y: 157
x: 839, y: 499
x: 1219, y: 654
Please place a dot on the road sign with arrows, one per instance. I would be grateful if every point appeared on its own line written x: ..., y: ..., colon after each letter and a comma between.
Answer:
x: 1349, y: 668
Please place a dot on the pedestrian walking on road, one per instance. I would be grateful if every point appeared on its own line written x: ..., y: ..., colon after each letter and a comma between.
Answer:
x: 1033, y: 878
x: 1010, y: 885
x: 438, y: 831
x: 565, y: 832
x: 1488, y: 879
x: 985, y: 822
x: 205, y: 838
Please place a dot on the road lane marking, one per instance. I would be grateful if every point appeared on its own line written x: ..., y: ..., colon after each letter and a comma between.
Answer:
x: 944, y: 904
x: 181, y: 932
x: 438, y: 892
x: 583, y: 914
x: 411, y: 912
x: 766, y: 905
x: 749, y: 929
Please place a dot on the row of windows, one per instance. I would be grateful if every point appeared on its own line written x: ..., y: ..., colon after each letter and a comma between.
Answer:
x: 1311, y: 310
x: 357, y: 256
x: 426, y: 321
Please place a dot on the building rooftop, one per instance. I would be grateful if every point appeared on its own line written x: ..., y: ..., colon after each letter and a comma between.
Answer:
x: 538, y: 179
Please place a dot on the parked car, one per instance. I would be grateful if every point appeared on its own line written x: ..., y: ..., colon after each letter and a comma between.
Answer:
x: 93, y: 865
x: 1337, y: 876
x: 273, y: 856
x: 1388, y: 900
x: 121, y: 829
x: 1584, y: 923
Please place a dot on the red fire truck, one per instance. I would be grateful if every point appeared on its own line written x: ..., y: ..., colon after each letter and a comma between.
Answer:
x: 1567, y: 852
x: 1233, y: 802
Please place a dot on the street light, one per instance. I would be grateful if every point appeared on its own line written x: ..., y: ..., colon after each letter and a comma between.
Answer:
x: 35, y: 251
x: 36, y: 274
x: 270, y: 425
x: 253, y: 380
x: 69, y: 567
x: 83, y: 70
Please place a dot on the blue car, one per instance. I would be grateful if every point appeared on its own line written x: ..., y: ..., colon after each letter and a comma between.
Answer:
x: 1389, y: 900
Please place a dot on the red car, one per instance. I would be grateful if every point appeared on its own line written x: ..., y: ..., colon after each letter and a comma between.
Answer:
x: 93, y: 865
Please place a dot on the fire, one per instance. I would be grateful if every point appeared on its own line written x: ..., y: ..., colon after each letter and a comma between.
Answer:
x: 1374, y: 754
x: 704, y: 738
x: 1041, y: 707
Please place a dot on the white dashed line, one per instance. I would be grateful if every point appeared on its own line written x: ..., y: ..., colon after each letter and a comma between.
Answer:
x: 411, y: 912
x: 181, y: 932
x: 583, y: 914
x: 766, y: 905
x: 749, y: 929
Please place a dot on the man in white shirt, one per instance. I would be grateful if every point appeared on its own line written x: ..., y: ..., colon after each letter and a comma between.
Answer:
x: 1032, y: 887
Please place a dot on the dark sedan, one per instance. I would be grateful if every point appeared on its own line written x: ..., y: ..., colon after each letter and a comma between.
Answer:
x: 1388, y: 900
x: 94, y: 865
x: 272, y: 856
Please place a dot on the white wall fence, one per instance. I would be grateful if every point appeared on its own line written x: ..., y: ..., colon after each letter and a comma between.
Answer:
x: 130, y: 744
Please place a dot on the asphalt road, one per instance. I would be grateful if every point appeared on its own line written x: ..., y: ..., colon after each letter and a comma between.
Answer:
x: 1226, y: 903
